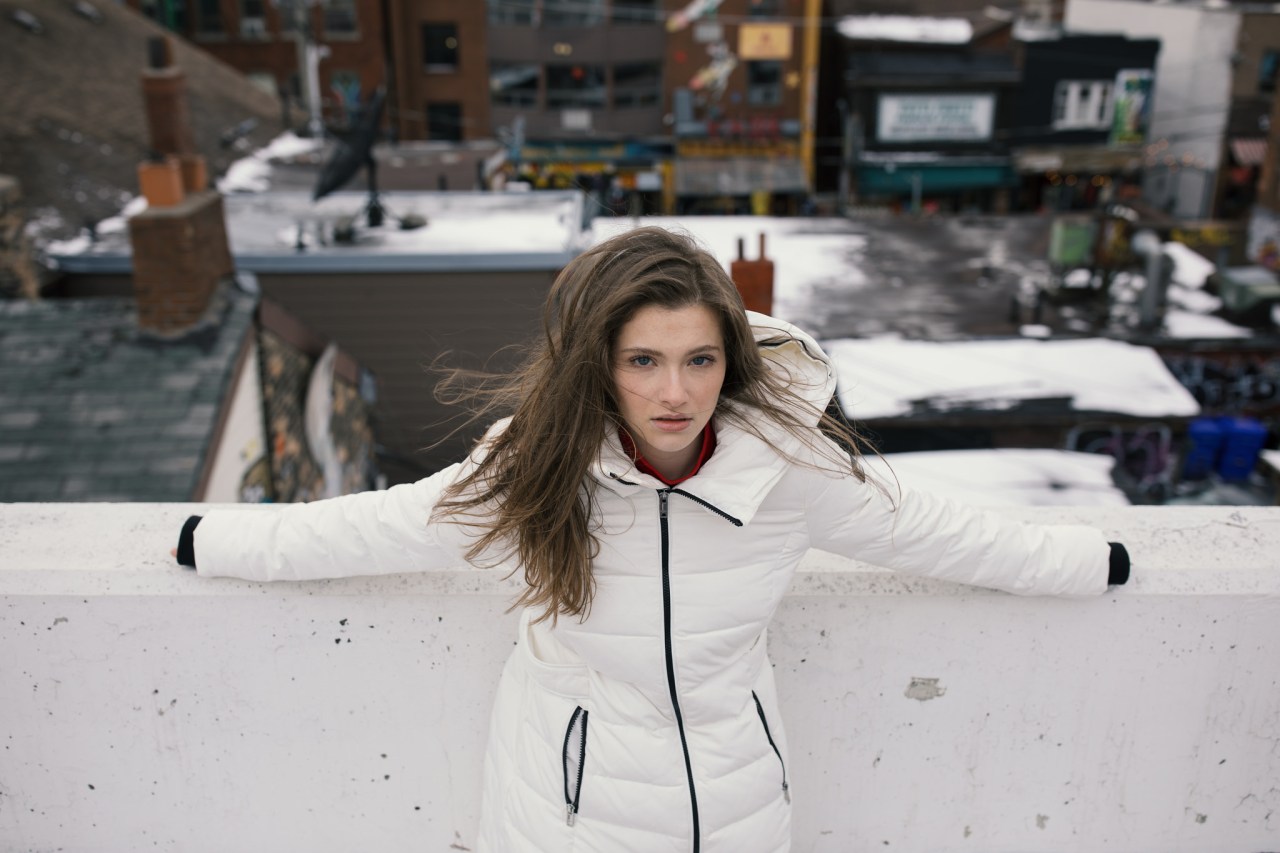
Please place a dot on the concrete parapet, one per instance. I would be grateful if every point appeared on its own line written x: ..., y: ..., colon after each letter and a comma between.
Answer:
x: 148, y: 708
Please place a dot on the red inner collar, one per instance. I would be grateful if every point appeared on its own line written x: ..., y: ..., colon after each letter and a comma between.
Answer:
x: 642, y: 464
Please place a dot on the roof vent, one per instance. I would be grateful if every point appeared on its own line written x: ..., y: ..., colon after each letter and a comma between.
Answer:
x: 87, y: 10
x: 27, y: 21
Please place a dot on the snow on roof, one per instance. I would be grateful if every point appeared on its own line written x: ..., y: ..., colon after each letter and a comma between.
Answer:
x: 1003, y: 477
x: 252, y: 174
x: 1190, y: 269
x: 820, y: 253
x: 888, y: 377
x: 1189, y: 324
x: 906, y: 28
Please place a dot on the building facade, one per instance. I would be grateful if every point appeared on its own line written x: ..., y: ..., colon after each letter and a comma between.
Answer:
x: 330, y: 54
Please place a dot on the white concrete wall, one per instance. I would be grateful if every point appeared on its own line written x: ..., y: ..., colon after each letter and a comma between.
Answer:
x: 1192, y: 92
x: 144, y: 708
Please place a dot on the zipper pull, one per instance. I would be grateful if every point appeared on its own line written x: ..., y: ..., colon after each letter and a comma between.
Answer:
x: 570, y: 813
x: 786, y: 793
x: 662, y: 502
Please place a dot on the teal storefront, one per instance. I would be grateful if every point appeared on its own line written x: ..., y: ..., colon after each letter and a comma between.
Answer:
x: 952, y: 185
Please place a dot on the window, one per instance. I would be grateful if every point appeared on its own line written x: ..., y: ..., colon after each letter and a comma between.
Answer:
x: 209, y: 17
x: 290, y: 13
x: 513, y: 12
x: 513, y: 84
x: 635, y: 12
x: 444, y: 121
x: 572, y: 13
x: 1268, y: 68
x: 764, y: 83
x: 575, y: 86
x: 637, y: 84
x: 253, y: 22
x: 340, y: 17
x: 440, y: 47
x: 763, y: 8
x: 1082, y: 105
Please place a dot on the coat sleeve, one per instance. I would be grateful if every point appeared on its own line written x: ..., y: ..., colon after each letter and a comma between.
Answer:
x: 922, y: 534
x: 370, y: 533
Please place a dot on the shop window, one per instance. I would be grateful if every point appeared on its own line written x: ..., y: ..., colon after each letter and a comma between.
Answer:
x: 444, y: 121
x: 253, y: 21
x: 513, y: 12
x: 764, y: 83
x: 340, y: 17
x: 572, y: 13
x: 1082, y: 105
x: 763, y: 8
x: 440, y: 47
x: 637, y: 84
x: 635, y: 12
x: 575, y: 86
x: 1268, y: 69
x: 209, y: 18
x: 513, y: 84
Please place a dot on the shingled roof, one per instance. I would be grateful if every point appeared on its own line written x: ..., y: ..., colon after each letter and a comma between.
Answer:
x: 73, y: 128
x: 93, y: 409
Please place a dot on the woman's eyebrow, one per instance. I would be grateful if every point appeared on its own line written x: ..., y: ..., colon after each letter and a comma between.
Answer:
x: 652, y: 351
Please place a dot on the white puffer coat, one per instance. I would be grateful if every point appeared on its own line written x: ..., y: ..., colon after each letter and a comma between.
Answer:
x: 653, y: 724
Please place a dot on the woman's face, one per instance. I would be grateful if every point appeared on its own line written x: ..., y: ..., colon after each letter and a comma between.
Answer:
x: 668, y: 367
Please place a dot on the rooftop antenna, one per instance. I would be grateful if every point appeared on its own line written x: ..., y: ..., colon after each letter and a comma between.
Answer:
x: 355, y: 151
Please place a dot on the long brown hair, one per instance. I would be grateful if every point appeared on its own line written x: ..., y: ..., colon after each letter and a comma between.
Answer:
x: 529, y: 496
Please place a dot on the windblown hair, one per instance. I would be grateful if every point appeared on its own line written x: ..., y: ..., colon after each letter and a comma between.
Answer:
x: 529, y: 496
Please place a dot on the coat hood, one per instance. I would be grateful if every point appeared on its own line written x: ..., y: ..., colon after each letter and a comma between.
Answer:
x: 744, y: 468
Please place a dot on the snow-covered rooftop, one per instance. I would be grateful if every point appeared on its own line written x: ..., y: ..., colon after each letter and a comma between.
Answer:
x: 810, y: 254
x: 1004, y: 477
x: 890, y: 377
x: 906, y: 28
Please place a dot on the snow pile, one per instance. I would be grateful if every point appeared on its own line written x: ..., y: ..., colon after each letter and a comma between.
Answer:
x: 252, y: 174
x: 1003, y: 477
x: 906, y: 28
x: 887, y: 377
x: 83, y: 241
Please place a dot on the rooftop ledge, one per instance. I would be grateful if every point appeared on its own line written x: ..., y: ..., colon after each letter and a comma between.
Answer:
x: 148, y: 707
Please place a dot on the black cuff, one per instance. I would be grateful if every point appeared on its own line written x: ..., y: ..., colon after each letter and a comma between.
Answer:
x: 187, y: 542
x: 1118, y: 573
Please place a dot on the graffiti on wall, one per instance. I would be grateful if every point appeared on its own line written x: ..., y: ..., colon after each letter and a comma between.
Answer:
x: 1229, y: 383
x: 1144, y: 455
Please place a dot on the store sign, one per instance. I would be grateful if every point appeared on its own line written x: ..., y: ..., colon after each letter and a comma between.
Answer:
x: 1132, y: 107
x: 764, y: 41
x: 935, y: 118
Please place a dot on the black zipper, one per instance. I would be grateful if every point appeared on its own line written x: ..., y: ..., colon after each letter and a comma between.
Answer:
x: 786, y: 791
x: 572, y: 773
x: 700, y: 502
x: 663, y: 495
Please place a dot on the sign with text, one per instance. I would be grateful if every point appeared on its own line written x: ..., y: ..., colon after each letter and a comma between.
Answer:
x: 935, y: 118
x: 764, y: 41
x: 1132, y: 111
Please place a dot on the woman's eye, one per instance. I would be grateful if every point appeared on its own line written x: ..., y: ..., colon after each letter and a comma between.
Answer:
x: 642, y: 361
x: 701, y: 360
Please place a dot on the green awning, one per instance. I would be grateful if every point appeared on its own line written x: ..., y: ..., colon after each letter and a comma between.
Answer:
x: 934, y: 178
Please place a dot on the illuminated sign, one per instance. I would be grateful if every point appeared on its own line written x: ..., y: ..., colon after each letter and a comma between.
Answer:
x: 935, y: 118
x: 764, y: 41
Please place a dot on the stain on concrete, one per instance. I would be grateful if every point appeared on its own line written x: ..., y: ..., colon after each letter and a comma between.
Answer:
x: 1201, y: 818
x: 1042, y: 820
x: 59, y: 620
x: 924, y: 689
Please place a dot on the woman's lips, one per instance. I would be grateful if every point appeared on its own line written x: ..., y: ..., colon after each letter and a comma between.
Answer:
x: 674, y: 424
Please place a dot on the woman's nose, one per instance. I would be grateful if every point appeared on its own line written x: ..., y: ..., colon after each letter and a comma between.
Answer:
x: 672, y: 391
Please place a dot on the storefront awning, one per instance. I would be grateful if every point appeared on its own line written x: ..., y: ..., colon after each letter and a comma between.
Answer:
x: 900, y: 179
x: 714, y: 176
x: 1078, y: 159
x: 1249, y: 152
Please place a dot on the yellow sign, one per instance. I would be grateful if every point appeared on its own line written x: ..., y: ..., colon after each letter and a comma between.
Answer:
x: 764, y: 41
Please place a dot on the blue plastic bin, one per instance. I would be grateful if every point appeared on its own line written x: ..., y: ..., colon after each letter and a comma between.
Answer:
x: 1242, y: 441
x: 1204, y: 439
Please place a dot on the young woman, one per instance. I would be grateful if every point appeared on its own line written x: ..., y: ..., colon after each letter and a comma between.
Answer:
x: 666, y: 464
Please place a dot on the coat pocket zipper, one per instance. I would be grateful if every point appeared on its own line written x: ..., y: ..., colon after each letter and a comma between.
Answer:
x: 786, y: 791
x: 574, y: 756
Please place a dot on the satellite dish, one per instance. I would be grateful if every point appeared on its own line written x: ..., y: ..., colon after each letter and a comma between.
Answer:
x: 354, y: 151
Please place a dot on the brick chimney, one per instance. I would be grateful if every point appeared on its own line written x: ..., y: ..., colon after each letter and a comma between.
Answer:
x: 180, y: 249
x: 754, y: 279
